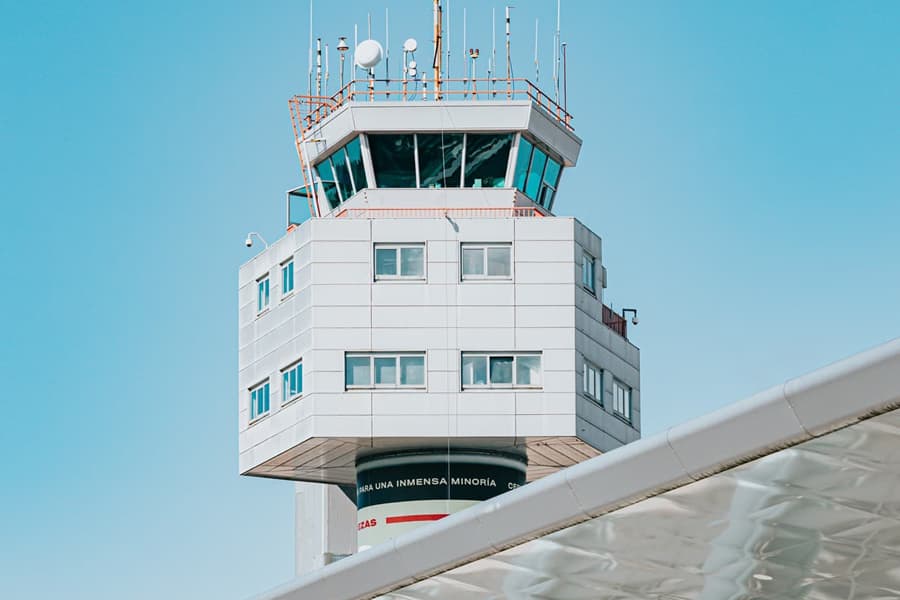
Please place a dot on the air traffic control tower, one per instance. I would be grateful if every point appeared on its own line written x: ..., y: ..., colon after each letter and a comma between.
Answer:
x: 428, y: 333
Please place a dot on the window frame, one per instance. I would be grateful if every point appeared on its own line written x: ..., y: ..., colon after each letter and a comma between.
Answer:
x: 489, y: 385
x: 371, y: 385
x: 399, y: 248
x: 261, y: 308
x: 484, y: 276
x: 254, y: 416
x: 626, y: 400
x: 598, y: 382
x: 588, y: 259
x: 285, y: 372
x: 287, y: 268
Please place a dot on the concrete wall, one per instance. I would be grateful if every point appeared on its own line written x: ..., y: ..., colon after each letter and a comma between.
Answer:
x: 337, y: 306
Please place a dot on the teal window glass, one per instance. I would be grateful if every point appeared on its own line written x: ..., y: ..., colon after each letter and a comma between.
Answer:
x: 621, y: 400
x: 357, y: 169
x: 474, y: 370
x: 473, y: 261
x: 523, y: 161
x: 587, y: 272
x: 342, y: 173
x: 358, y: 370
x: 501, y: 369
x: 385, y: 261
x: 259, y: 401
x: 262, y: 294
x: 440, y: 159
x: 329, y: 185
x: 393, y: 160
x: 385, y: 370
x: 498, y: 261
x: 551, y: 179
x: 292, y: 382
x: 487, y: 157
x: 412, y: 261
x: 412, y: 370
x: 535, y: 174
x: 287, y: 278
x: 528, y: 370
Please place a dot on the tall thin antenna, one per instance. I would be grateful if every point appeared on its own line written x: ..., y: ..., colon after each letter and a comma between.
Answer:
x: 537, y: 62
x: 369, y: 36
x: 493, y: 61
x: 465, y: 48
x: 565, y: 79
x: 387, y: 45
x: 449, y: 43
x: 310, y: 58
x: 508, y: 59
x: 438, y: 50
x: 318, y: 66
x: 556, y: 53
x: 355, y: 46
x: 327, y: 75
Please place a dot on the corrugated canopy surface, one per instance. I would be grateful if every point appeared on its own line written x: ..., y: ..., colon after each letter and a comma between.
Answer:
x: 793, y: 493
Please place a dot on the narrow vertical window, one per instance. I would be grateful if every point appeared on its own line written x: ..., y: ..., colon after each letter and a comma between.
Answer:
x: 587, y: 272
x: 329, y: 183
x: 621, y: 400
x: 287, y: 277
x: 593, y: 382
x: 262, y: 294
x: 292, y: 383
x: 259, y: 401
x: 523, y: 161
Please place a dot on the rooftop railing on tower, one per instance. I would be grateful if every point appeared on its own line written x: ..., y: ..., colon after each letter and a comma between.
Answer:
x: 308, y: 111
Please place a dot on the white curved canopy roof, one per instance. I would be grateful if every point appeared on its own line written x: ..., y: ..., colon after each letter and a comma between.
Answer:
x: 792, y: 493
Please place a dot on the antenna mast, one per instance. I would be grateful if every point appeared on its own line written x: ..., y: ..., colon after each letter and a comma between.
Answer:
x: 387, y: 45
x: 508, y: 61
x: 310, y: 57
x: 537, y: 63
x: 465, y: 60
x: 449, y: 44
x: 318, y: 66
x: 556, y: 53
x: 438, y: 17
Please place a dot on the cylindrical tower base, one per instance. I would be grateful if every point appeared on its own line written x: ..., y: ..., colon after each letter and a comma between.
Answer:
x: 399, y: 491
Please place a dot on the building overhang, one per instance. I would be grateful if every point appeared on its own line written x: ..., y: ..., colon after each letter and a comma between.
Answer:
x: 423, y: 117
x: 790, y: 493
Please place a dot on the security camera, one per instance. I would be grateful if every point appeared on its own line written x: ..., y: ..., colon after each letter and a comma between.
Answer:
x: 248, y: 242
x: 634, y: 320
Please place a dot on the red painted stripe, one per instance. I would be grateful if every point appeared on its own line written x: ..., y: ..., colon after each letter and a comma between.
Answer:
x: 410, y: 518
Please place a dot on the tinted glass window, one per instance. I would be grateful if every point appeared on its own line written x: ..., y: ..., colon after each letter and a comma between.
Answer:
x: 528, y: 370
x: 412, y: 370
x: 474, y: 370
x: 339, y: 162
x: 412, y: 261
x: 501, y: 369
x: 487, y: 156
x: 393, y: 160
x: 356, y: 164
x: 328, y: 183
x: 473, y: 261
x: 357, y: 370
x: 385, y: 261
x: 498, y: 262
x: 522, y: 162
x: 535, y: 174
x: 440, y: 159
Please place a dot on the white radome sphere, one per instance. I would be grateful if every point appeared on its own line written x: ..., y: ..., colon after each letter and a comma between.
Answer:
x: 368, y: 54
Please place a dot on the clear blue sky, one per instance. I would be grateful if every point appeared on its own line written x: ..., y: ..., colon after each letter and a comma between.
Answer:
x: 741, y: 161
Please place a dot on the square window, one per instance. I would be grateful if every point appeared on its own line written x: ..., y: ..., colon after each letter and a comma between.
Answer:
x: 412, y: 370
x: 474, y: 370
x: 502, y: 369
x: 399, y: 261
x: 358, y: 371
x: 385, y: 370
x: 528, y: 370
x: 486, y: 261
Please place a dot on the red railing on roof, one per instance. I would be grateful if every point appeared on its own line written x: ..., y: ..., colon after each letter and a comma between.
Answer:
x: 615, y: 321
x: 435, y: 212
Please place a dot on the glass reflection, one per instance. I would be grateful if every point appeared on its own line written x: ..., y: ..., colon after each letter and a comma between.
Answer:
x: 487, y: 157
x: 393, y: 160
x: 440, y: 159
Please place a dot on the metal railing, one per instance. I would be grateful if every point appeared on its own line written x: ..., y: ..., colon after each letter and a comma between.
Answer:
x: 615, y: 321
x: 308, y: 111
x: 432, y: 213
